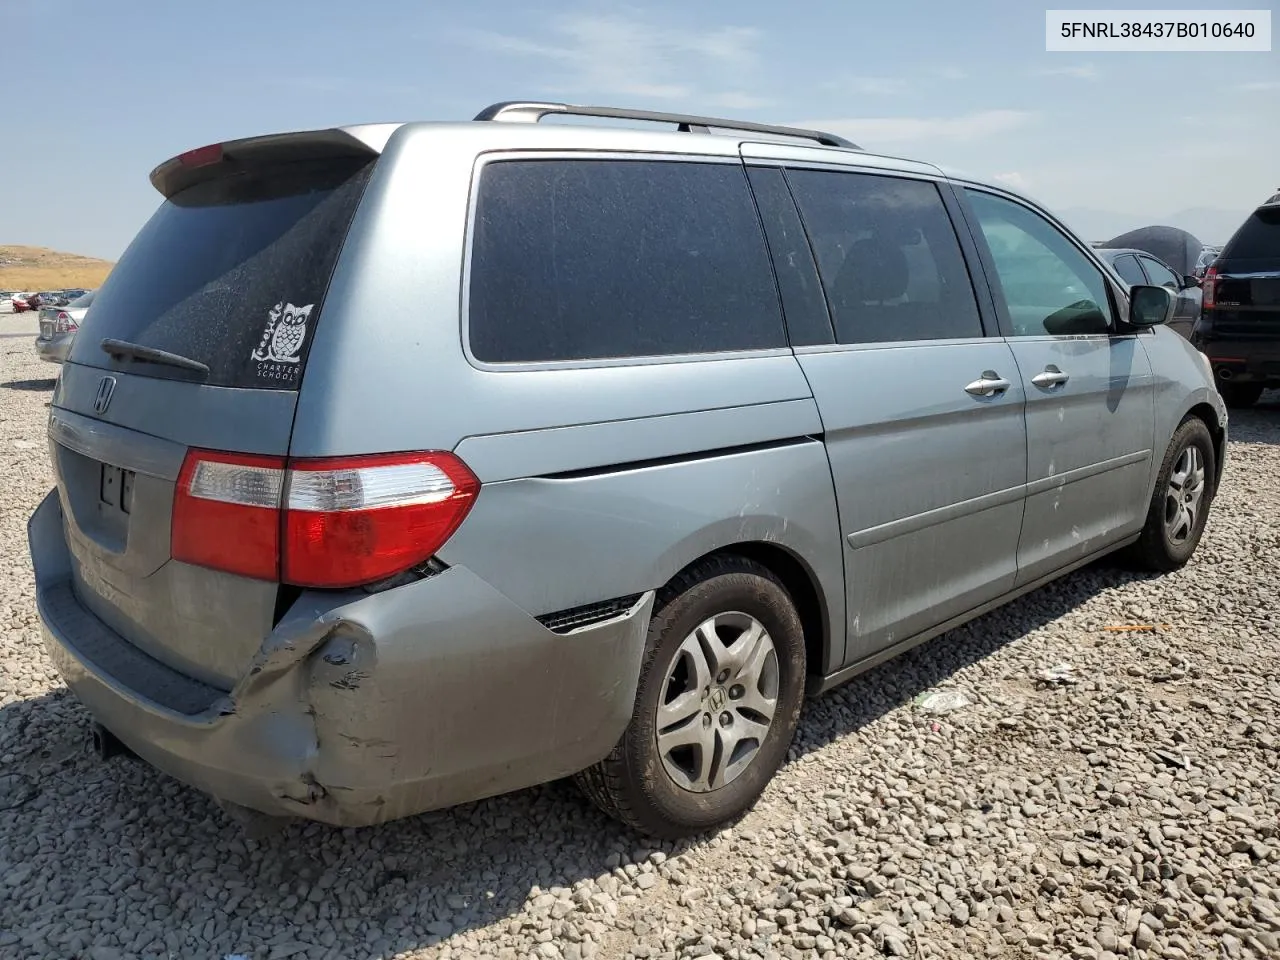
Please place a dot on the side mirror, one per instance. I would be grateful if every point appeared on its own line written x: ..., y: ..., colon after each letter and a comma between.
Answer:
x: 1150, y: 306
x: 1191, y: 280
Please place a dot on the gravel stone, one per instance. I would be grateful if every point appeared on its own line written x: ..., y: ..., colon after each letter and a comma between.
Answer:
x: 1133, y: 810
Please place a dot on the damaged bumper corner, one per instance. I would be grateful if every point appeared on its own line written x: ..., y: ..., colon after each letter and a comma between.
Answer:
x: 358, y: 708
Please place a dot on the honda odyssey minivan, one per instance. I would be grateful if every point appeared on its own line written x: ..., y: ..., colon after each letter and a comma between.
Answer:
x: 403, y: 465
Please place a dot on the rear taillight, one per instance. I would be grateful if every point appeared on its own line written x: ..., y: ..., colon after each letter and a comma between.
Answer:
x: 226, y: 513
x: 1209, y: 287
x: 360, y: 519
x: 62, y: 322
x: 336, y: 522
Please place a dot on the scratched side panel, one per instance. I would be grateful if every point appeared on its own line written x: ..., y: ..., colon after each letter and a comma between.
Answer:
x: 550, y: 543
x: 1180, y: 381
x: 1089, y: 447
x: 929, y: 479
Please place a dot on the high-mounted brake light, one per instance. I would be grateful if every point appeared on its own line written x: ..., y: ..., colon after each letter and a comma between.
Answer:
x: 335, y: 522
x: 1209, y: 287
x: 201, y: 156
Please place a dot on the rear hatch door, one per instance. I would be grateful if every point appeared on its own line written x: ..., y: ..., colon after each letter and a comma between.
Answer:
x: 197, y: 339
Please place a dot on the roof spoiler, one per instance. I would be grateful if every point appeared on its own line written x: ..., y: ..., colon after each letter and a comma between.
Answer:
x: 217, y: 159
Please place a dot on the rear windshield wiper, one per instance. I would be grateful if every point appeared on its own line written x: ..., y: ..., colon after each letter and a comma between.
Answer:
x: 136, y: 351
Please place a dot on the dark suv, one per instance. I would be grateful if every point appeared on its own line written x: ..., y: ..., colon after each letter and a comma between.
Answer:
x: 1239, y: 328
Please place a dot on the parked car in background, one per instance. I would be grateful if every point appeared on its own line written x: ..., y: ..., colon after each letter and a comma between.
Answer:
x: 58, y: 328
x: 30, y: 302
x: 1206, y: 258
x: 1239, y: 329
x: 843, y: 402
x: 1139, y: 267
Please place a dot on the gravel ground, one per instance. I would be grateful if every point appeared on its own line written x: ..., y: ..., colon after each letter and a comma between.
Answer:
x: 1130, y: 813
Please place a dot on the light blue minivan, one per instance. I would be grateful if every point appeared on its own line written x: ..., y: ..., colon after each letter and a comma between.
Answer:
x: 403, y: 465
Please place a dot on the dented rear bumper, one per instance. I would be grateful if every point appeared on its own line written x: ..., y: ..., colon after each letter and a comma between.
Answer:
x: 359, y: 708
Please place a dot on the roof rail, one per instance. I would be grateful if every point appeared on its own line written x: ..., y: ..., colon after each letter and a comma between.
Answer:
x: 516, y: 111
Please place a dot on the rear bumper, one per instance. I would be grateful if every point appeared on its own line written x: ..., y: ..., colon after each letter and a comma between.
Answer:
x: 56, y: 349
x: 1244, y: 361
x: 1251, y: 358
x: 359, y: 708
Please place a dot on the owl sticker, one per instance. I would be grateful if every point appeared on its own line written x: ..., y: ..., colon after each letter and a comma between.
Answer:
x: 285, y: 331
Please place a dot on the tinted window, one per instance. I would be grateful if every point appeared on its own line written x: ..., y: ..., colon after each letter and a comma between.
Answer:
x: 890, y: 262
x: 803, y: 303
x: 231, y: 273
x: 1159, y: 274
x: 1257, y: 238
x: 1127, y: 267
x: 584, y: 259
x: 1049, y: 285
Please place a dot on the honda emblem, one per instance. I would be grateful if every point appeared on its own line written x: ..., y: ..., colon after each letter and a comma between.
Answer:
x: 106, y: 387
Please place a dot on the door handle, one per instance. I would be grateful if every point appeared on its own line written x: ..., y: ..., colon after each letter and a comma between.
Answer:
x: 1050, y: 377
x: 988, y: 385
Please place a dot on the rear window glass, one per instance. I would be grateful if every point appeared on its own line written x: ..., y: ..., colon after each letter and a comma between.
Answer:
x: 230, y: 273
x: 1258, y: 237
x: 594, y: 259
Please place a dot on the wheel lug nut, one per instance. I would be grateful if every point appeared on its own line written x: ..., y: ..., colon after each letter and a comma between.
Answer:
x: 724, y: 675
x: 736, y: 692
x: 706, y: 719
x: 726, y: 718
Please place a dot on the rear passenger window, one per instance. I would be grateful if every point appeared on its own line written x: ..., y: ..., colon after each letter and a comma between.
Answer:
x: 594, y: 259
x: 890, y: 261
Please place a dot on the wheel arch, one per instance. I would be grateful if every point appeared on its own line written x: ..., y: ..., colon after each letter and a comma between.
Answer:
x: 1205, y: 412
x: 804, y: 588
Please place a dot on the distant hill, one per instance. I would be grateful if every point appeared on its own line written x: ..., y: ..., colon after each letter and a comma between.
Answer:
x: 38, y: 268
x: 1208, y: 224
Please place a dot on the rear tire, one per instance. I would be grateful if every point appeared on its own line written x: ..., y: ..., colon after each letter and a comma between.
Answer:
x: 1240, y: 396
x: 1180, y: 502
x: 717, y: 704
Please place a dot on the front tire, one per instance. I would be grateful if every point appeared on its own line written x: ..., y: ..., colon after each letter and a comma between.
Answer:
x: 717, y: 704
x: 1180, y: 503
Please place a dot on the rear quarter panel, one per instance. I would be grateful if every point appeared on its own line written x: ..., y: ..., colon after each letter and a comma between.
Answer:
x: 550, y: 543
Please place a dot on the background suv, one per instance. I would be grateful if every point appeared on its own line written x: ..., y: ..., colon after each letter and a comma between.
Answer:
x: 1240, y: 326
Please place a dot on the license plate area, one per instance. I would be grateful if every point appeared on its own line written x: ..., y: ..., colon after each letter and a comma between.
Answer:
x: 115, y: 490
